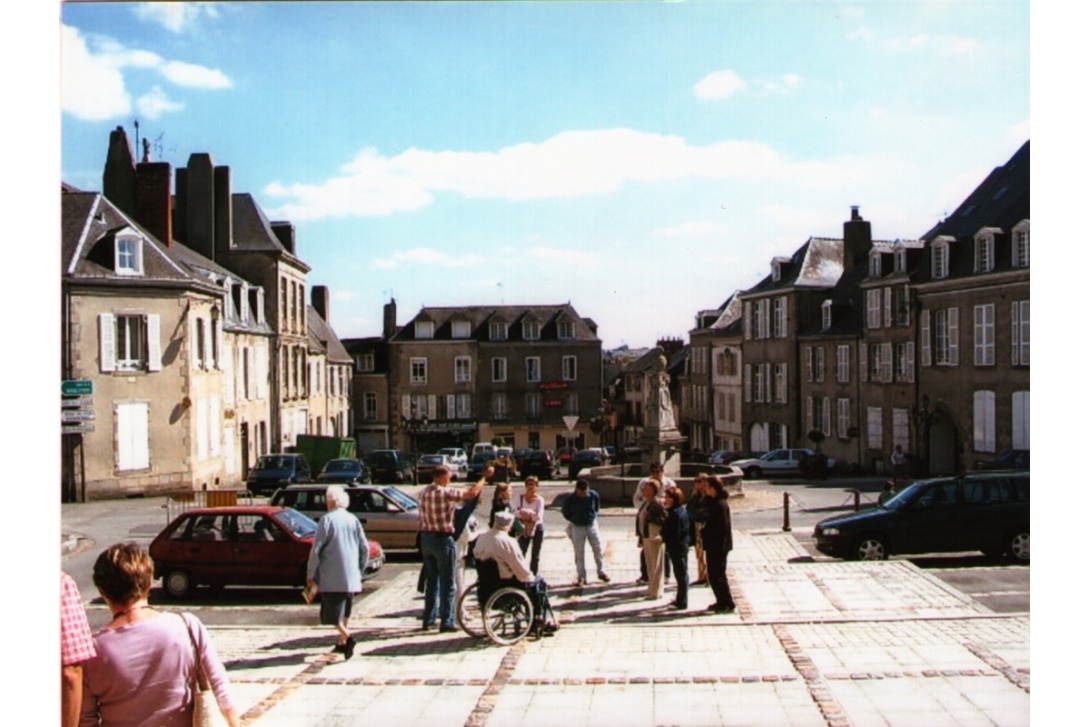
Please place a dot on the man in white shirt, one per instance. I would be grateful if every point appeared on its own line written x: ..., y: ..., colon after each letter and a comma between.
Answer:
x: 498, y: 545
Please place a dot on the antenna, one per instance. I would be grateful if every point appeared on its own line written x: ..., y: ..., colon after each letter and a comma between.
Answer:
x: 136, y: 124
x: 500, y: 286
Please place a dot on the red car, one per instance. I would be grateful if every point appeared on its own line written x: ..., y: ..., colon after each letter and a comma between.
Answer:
x: 564, y: 455
x: 251, y: 546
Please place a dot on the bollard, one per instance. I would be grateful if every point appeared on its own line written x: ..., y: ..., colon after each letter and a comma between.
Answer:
x: 856, y: 494
x: 786, y: 513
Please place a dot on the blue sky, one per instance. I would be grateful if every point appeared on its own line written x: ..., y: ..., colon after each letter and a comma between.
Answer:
x: 642, y: 160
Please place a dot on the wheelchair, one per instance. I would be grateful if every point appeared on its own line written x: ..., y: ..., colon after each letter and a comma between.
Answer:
x: 507, y: 615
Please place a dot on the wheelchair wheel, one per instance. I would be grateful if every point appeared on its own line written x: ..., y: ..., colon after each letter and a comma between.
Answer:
x: 508, y: 616
x: 468, y: 613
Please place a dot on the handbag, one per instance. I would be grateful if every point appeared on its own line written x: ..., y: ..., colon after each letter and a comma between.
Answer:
x: 206, y: 711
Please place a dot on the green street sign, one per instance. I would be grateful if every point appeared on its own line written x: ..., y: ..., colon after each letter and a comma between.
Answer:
x: 77, y: 387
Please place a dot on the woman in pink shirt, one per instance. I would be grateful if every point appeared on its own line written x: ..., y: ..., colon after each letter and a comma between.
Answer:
x: 143, y: 670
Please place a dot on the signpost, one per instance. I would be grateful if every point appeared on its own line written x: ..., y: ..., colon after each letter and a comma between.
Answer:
x: 77, y: 415
x: 82, y: 428
x: 77, y: 387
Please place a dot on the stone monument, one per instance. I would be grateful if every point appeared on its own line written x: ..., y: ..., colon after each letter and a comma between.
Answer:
x: 661, y: 441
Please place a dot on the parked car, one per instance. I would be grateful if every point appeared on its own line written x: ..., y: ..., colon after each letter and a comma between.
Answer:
x: 631, y: 451
x: 726, y: 456
x: 779, y: 462
x: 389, y: 515
x: 611, y: 451
x: 519, y: 455
x: 478, y: 462
x: 564, y: 455
x: 346, y: 471
x: 1015, y: 459
x: 986, y: 511
x: 459, y: 458
x: 539, y: 463
x: 277, y: 470
x: 426, y: 464
x: 583, y: 459
x: 482, y: 448
x: 227, y: 546
x: 389, y: 466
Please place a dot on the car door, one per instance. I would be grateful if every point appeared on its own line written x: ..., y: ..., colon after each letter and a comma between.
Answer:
x: 203, y: 548
x: 384, y: 520
x: 930, y: 523
x: 779, y: 460
x: 264, y: 554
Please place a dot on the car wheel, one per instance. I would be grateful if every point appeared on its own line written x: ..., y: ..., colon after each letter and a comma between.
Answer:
x: 1018, y: 546
x: 752, y: 473
x: 177, y: 583
x: 870, y: 548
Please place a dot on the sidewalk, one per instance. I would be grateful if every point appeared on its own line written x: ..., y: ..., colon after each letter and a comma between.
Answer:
x: 877, y: 643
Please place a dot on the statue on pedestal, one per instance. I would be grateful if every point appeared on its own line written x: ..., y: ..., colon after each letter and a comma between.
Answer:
x: 657, y: 406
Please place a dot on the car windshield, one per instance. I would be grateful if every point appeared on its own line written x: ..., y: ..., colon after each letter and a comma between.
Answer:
x: 482, y: 457
x: 905, y: 496
x: 449, y: 452
x: 400, y: 498
x: 298, y: 523
x: 431, y: 459
x: 341, y: 465
x: 273, y: 463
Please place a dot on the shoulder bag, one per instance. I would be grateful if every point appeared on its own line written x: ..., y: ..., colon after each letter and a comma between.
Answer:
x: 206, y: 711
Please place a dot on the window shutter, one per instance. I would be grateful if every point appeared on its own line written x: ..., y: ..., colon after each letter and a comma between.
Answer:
x: 227, y: 356
x: 747, y: 321
x: 768, y: 382
x: 809, y: 414
x: 194, y: 348
x: 747, y: 379
x: 910, y: 361
x: 887, y: 307
x: 952, y: 318
x: 107, y: 342
x: 808, y: 357
x: 1020, y: 420
x: 406, y: 406
x: 452, y: 407
x: 925, y: 338
x: 132, y: 436
x: 432, y: 405
x: 826, y: 416
x: 155, y: 353
x: 217, y: 350
x: 863, y: 362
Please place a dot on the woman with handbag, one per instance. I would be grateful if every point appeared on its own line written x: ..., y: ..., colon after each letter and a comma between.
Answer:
x: 649, y: 521
x: 149, y: 664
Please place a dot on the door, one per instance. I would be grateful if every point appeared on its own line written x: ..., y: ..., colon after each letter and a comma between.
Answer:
x: 932, y: 523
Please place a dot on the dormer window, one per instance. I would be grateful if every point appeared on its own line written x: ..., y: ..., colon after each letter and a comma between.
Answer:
x: 875, y: 264
x: 775, y: 271
x: 531, y: 330
x: 128, y: 259
x: 258, y: 296
x: 565, y: 330
x: 497, y: 331
x: 900, y: 261
x: 940, y: 258
x: 1020, y: 245
x: 826, y: 315
x: 984, y: 250
x: 460, y: 329
x: 425, y: 329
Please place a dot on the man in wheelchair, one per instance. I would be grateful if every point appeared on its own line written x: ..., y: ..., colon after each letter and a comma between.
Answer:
x: 513, y: 568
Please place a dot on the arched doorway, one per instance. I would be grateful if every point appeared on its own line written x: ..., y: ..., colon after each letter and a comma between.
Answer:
x: 943, y: 445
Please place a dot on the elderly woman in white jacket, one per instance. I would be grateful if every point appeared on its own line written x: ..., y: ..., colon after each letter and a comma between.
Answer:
x: 336, y: 565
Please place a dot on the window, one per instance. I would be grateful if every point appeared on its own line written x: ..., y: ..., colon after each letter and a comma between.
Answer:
x: 497, y: 331
x: 887, y: 307
x: 531, y: 330
x: 365, y: 362
x: 843, y: 364
x: 808, y: 358
x: 984, y: 335
x: 568, y: 368
x: 900, y: 260
x: 498, y: 408
x: 370, y: 406
x: 906, y: 361
x: 984, y: 421
x: 885, y: 362
x: 984, y: 253
x: 1020, y: 333
x: 129, y: 342
x: 875, y: 264
x: 940, y: 258
x: 826, y: 315
x: 1020, y: 420
x: 900, y: 428
x: 127, y: 256
x: 762, y: 323
x: 131, y: 421
x: 425, y: 329
x: 533, y: 405
x: 819, y: 363
x: 199, y: 350
x: 874, y: 427
x: 499, y: 369
x: 565, y: 330
x: 533, y: 369
x: 925, y: 338
x: 758, y: 383
x: 571, y: 404
x: 461, y: 370
x: 418, y: 370
x: 1020, y: 245
x: 460, y: 329
x: 747, y: 382
x: 843, y: 417
x: 780, y: 373
x: 946, y: 337
x: 779, y: 317
x: 874, y: 308
x: 901, y: 302
x: 463, y: 404
x: 747, y: 320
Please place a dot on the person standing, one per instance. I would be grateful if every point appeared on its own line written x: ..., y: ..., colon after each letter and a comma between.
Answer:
x: 77, y: 647
x: 697, y: 507
x: 532, y: 514
x: 649, y: 521
x: 337, y: 562
x: 580, y: 509
x: 662, y: 483
x: 898, y: 459
x: 675, y: 536
x: 143, y: 669
x: 718, y: 542
x: 438, y: 503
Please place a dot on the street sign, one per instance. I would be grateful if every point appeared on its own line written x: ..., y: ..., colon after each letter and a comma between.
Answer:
x: 77, y: 428
x: 77, y: 415
x: 77, y: 387
x: 570, y: 422
x: 78, y: 402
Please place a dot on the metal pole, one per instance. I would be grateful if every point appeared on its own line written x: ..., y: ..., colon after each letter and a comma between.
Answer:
x: 786, y: 513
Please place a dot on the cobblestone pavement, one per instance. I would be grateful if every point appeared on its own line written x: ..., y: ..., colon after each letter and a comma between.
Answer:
x: 828, y: 643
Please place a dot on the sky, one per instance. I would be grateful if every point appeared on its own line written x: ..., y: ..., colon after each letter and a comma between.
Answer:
x: 640, y: 160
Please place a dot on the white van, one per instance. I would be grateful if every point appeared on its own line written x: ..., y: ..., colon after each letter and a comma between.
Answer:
x: 484, y: 447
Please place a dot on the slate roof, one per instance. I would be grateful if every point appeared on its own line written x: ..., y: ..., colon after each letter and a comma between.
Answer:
x: 321, y: 338
x: 818, y: 263
x: 252, y: 231
x: 480, y: 317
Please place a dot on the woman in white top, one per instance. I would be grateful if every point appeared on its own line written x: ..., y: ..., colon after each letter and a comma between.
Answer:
x: 531, y: 512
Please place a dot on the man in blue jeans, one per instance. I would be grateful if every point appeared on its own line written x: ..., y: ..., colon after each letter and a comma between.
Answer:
x: 580, y: 509
x: 438, y: 502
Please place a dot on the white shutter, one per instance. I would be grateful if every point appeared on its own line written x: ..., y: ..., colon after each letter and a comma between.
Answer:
x: 747, y: 321
x: 432, y: 407
x: 215, y: 413
x: 925, y: 338
x: 809, y: 414
x: 155, y: 352
x: 259, y: 371
x: 452, y: 404
x: 747, y: 379
x: 887, y: 307
x: 107, y: 342
x: 228, y: 357
x: 406, y: 406
x: 132, y: 436
x: 826, y: 416
x: 808, y: 357
x: 217, y: 331
x: 910, y: 361
x: 768, y: 381
x: 952, y: 334
x: 1020, y: 420
x: 864, y: 362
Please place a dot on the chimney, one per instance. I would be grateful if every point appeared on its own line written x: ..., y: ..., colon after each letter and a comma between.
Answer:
x: 181, y: 204
x: 319, y: 298
x: 857, y: 240
x: 201, y: 205
x: 285, y: 232
x: 222, y: 211
x: 119, y: 174
x: 389, y: 319
x: 152, y: 199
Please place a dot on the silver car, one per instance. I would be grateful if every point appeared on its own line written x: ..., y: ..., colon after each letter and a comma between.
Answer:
x: 388, y: 515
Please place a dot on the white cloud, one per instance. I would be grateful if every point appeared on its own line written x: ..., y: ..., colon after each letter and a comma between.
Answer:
x: 568, y: 165
x: 696, y: 228
x: 786, y: 83
x: 426, y: 256
x: 94, y: 88
x: 175, y: 17
x: 719, y: 84
x: 580, y: 258
x: 155, y: 102
x: 950, y: 44
x: 861, y: 33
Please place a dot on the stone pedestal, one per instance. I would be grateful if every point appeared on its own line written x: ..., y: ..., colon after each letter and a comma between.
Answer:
x: 662, y: 446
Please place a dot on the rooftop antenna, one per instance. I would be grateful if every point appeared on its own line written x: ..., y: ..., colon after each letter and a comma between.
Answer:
x: 500, y: 286
x: 136, y: 124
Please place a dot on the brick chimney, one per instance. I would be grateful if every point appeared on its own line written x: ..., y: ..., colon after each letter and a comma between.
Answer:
x: 285, y: 232
x: 119, y: 174
x: 857, y: 240
x: 389, y: 319
x: 152, y: 200
x: 200, y: 218
x: 319, y: 299
x: 222, y: 210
